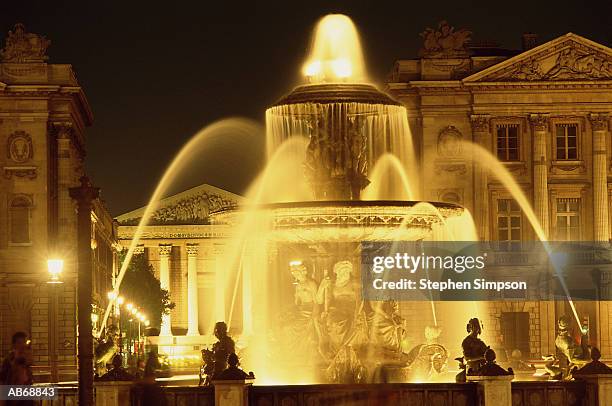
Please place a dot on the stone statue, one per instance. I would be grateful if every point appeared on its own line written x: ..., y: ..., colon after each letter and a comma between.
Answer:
x: 336, y: 162
x: 208, y: 367
x: 426, y: 359
x: 233, y: 373
x: 445, y: 42
x: 595, y: 367
x: 117, y: 373
x: 105, y: 349
x: 490, y: 367
x: 473, y: 348
x: 570, y: 354
x: 300, y: 324
x: 306, y: 288
x: 24, y: 47
x: 215, y: 360
x: 343, y: 326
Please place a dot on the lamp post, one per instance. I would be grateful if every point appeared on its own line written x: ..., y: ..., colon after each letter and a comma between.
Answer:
x: 84, y: 195
x: 120, y: 301
x: 55, y: 268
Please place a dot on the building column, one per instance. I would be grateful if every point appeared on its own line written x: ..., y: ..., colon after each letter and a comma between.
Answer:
x: 539, y: 124
x: 164, y: 281
x: 599, y: 125
x: 84, y: 195
x: 481, y: 136
x: 192, y: 291
x: 219, y: 286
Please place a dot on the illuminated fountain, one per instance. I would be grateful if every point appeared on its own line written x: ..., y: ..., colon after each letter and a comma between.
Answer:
x: 341, y: 171
x: 297, y: 245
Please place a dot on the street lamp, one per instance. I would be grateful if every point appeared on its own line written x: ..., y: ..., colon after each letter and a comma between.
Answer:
x: 55, y: 268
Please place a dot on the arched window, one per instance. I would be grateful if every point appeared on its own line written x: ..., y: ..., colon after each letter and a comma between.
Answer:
x: 19, y: 220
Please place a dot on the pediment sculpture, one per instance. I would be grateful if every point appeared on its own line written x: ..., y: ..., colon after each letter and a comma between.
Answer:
x: 24, y: 47
x: 573, y: 62
x: 195, y: 209
x: 445, y: 42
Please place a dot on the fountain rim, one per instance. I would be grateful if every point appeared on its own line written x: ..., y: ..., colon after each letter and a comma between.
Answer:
x: 335, y: 93
x: 334, y: 203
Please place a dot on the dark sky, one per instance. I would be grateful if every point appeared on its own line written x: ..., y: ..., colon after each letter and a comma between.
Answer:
x: 156, y: 72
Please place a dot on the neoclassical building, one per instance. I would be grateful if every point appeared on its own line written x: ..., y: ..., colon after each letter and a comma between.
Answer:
x: 43, y: 117
x: 543, y: 111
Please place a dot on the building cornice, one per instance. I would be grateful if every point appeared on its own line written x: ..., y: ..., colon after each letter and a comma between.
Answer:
x: 175, y: 232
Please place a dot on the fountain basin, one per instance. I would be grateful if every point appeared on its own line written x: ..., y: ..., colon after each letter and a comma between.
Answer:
x: 346, y: 221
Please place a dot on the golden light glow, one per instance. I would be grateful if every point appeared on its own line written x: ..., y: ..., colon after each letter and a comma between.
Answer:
x: 120, y: 300
x: 134, y: 311
x: 94, y: 318
x: 335, y: 54
x: 129, y: 307
x: 55, y: 268
x: 111, y: 295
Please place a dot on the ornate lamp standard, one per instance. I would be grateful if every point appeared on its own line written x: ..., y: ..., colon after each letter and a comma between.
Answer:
x: 84, y: 195
x: 55, y: 268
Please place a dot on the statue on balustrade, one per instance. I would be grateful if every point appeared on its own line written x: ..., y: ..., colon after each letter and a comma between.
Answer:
x: 474, y: 348
x: 570, y: 354
x: 106, y: 348
x: 233, y: 372
x: 117, y: 373
x: 215, y: 360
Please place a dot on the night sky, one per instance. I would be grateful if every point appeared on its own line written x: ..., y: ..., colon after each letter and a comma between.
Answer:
x: 157, y: 72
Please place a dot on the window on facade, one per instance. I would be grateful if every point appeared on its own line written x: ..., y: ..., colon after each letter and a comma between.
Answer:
x: 568, y: 219
x: 508, y: 220
x: 19, y: 218
x: 515, y: 330
x: 567, y: 141
x: 508, y: 142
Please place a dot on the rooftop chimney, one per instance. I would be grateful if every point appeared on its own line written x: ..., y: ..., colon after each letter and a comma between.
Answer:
x: 530, y: 40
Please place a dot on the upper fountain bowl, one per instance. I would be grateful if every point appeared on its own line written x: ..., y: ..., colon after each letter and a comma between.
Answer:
x: 326, y: 93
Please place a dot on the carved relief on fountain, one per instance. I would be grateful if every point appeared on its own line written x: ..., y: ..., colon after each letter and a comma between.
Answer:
x: 336, y: 162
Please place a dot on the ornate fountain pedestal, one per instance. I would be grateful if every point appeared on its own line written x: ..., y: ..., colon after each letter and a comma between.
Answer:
x: 232, y: 393
x: 113, y: 393
x: 493, y: 390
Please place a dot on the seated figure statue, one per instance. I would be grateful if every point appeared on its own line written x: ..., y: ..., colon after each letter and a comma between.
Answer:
x: 215, y: 360
x: 299, y: 323
x: 117, y: 373
x: 570, y: 354
x: 233, y: 372
x: 343, y: 326
x: 473, y: 348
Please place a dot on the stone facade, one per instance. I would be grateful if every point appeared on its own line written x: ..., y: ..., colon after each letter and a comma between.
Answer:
x: 545, y: 113
x: 43, y: 116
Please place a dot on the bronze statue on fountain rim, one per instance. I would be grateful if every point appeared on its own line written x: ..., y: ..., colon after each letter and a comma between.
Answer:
x: 215, y: 360
x: 570, y: 354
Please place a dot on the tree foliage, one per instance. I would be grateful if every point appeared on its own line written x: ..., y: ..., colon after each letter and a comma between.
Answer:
x: 143, y: 289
